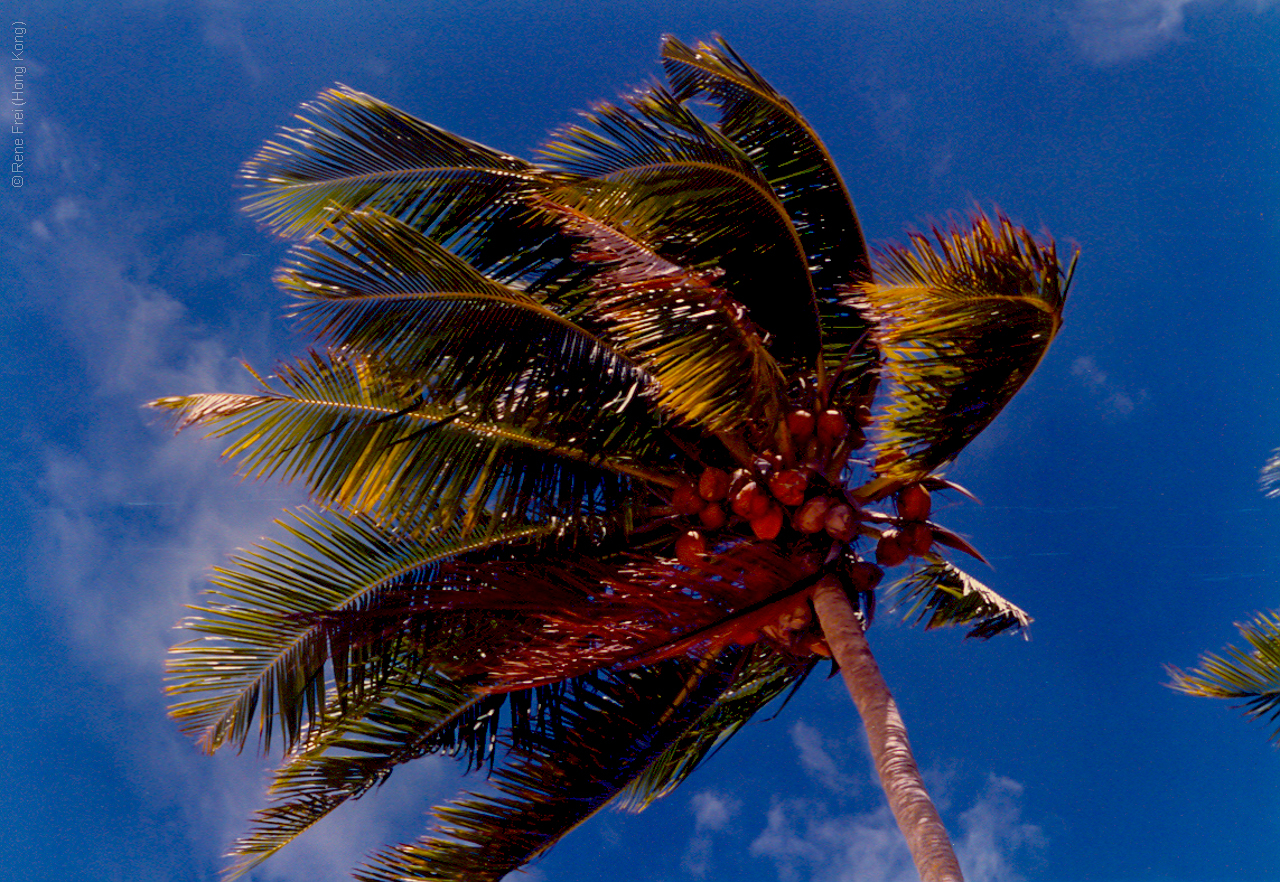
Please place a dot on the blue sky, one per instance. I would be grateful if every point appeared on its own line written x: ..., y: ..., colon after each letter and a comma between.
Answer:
x: 1120, y: 493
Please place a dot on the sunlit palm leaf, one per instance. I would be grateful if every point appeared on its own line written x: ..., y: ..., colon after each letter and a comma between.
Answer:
x: 657, y: 172
x: 796, y: 164
x: 355, y: 151
x: 609, y: 736
x: 961, y: 325
x: 262, y: 648
x: 708, y: 362
x: 359, y: 442
x: 939, y: 595
x: 1251, y: 674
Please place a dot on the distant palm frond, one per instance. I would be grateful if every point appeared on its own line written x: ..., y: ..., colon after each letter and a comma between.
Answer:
x: 1251, y: 674
x: 1270, y: 478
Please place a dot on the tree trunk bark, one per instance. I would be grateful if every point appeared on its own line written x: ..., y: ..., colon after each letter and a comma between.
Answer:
x: 917, y: 817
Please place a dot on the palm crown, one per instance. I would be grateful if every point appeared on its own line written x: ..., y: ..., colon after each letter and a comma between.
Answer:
x: 585, y: 434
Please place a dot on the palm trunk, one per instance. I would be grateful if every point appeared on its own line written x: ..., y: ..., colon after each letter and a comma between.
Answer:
x: 899, y: 775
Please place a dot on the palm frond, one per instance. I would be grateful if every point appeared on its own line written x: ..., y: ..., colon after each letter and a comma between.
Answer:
x: 1270, y: 477
x: 356, y: 152
x: 356, y: 748
x: 793, y: 160
x: 939, y: 595
x: 708, y: 362
x: 656, y: 171
x: 360, y: 442
x: 1251, y: 674
x: 961, y: 324
x: 764, y: 675
x: 263, y: 647
x: 611, y: 731
x: 379, y: 287
x: 625, y: 611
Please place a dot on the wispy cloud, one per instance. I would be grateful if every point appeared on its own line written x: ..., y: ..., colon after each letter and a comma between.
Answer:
x: 1116, y: 401
x: 994, y: 834
x: 129, y: 519
x: 1114, y: 31
x: 712, y: 812
x: 807, y: 842
x: 812, y: 840
x: 817, y: 762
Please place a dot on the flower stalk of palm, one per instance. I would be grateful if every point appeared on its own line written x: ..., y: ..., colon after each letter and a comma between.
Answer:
x: 590, y: 441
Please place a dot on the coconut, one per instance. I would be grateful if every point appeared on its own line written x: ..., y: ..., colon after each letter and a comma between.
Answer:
x: 751, y: 501
x: 691, y: 549
x: 914, y: 503
x: 713, y: 485
x: 890, y: 550
x: 832, y: 426
x: 713, y: 517
x: 769, y: 524
x: 841, y: 523
x: 812, y: 516
x: 686, y: 501
x: 788, y: 486
x: 801, y: 425
x: 917, y: 538
x: 864, y: 575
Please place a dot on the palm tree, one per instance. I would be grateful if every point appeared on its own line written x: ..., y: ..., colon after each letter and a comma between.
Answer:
x: 588, y: 441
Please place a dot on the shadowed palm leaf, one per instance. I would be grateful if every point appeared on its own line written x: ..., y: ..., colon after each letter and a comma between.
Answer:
x: 588, y: 437
x: 939, y: 595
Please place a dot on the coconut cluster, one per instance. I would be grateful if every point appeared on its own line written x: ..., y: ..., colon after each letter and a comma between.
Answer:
x: 790, y: 498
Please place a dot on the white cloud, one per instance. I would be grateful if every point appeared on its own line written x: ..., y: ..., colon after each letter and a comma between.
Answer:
x: 811, y: 840
x: 712, y: 814
x: 1114, y: 31
x: 712, y: 811
x: 993, y: 833
x: 129, y: 520
x: 1116, y: 401
x: 817, y: 762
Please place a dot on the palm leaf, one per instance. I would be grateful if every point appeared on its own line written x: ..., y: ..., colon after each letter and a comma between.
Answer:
x: 356, y: 152
x: 612, y: 729
x: 381, y: 288
x: 360, y: 442
x: 793, y: 160
x: 656, y: 171
x: 1270, y: 477
x: 765, y: 675
x: 707, y: 359
x: 960, y: 325
x: 597, y: 611
x: 1251, y: 674
x: 939, y: 595
x: 355, y: 749
x: 263, y: 647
